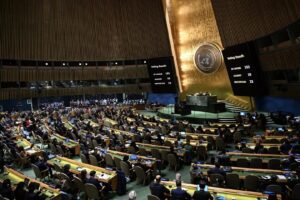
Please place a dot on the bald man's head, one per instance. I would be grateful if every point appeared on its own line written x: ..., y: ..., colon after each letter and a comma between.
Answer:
x: 157, y: 178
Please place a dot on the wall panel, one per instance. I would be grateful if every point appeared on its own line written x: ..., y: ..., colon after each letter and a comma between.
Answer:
x: 82, y: 30
x: 240, y: 21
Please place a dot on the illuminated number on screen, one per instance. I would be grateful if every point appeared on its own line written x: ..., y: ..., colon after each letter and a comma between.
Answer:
x: 249, y: 74
x: 251, y: 81
x: 247, y: 67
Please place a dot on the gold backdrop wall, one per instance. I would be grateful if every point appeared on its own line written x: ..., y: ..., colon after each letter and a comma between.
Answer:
x: 191, y: 23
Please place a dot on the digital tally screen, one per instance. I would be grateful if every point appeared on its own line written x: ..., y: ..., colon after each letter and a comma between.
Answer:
x: 243, y: 69
x: 162, y: 75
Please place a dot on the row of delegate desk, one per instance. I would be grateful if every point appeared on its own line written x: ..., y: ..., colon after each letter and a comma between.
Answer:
x: 221, y: 192
x: 282, y: 176
x: 108, y: 176
x: 16, y: 177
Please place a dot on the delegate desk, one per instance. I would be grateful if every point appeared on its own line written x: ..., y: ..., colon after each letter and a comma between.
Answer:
x: 197, y: 136
x: 269, y: 137
x: 263, y: 174
x: 265, y: 145
x: 16, y: 177
x: 68, y: 125
x: 31, y: 151
x: 68, y: 143
x: 265, y: 157
x: 149, y: 147
x: 130, y: 120
x: 103, y: 175
x: 109, y: 122
x: 92, y: 123
x: 120, y: 132
x: 228, y: 194
x: 143, y: 160
x: 194, y: 143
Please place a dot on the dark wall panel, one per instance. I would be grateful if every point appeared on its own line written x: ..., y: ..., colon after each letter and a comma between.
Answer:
x: 240, y: 21
x: 82, y: 29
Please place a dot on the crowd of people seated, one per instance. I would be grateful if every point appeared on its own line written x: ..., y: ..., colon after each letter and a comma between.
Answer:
x: 90, y: 131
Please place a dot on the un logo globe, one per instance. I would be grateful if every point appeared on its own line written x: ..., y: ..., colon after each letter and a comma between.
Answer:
x: 208, y: 58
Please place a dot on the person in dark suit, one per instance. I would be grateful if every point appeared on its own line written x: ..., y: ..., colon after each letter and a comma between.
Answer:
x: 94, y: 181
x: 32, y: 194
x: 201, y: 194
x: 6, y: 190
x: 179, y: 193
x: 216, y: 170
x: 20, y: 191
x: 66, y: 170
x: 158, y: 189
x: 42, y: 165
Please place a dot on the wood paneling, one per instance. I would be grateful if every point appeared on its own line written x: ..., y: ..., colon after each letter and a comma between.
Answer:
x: 30, y: 74
x: 240, y: 21
x: 28, y: 93
x: 82, y: 30
x: 281, y: 59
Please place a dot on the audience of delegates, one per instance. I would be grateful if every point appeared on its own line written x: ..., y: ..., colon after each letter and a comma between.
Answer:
x: 52, y: 120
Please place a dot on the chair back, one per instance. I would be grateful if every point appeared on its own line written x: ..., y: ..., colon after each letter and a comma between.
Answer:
x: 57, y: 168
x: 140, y: 174
x: 164, y: 155
x: 216, y: 180
x: 36, y: 171
x: 274, y: 188
x: 273, y: 150
x: 125, y: 168
x: 237, y: 137
x: 233, y: 181
x: 143, y: 152
x: 220, y: 144
x: 60, y: 150
x: 74, y: 136
x: 156, y: 154
x: 91, y: 191
x: 53, y: 148
x: 274, y: 164
x: 84, y: 159
x: 109, y: 160
x: 90, y: 143
x: 201, y: 153
x: 294, y: 166
x: 117, y: 163
x: 78, y: 184
x: 65, y: 177
x: 93, y: 160
x: 211, y: 140
x: 295, y: 192
x: 247, y: 150
x: 131, y: 150
x: 251, y: 183
x: 172, y: 161
x: 242, y: 162
x: 95, y: 143
x: 256, y: 163
x: 152, y: 197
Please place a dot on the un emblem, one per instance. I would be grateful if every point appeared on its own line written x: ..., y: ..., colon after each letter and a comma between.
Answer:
x: 208, y: 58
